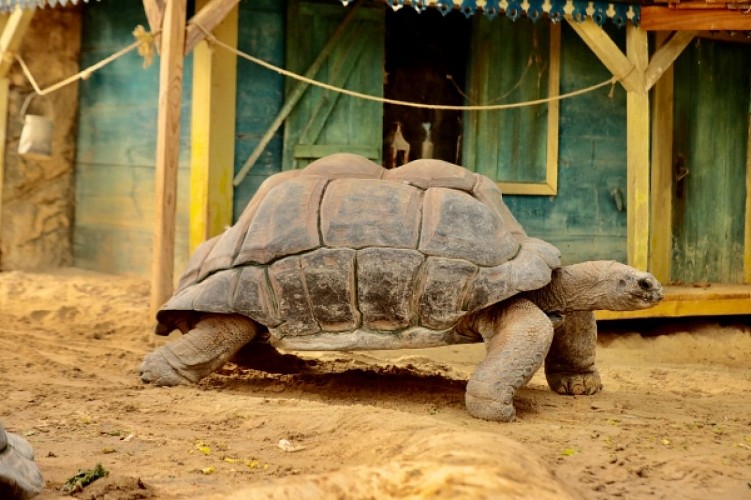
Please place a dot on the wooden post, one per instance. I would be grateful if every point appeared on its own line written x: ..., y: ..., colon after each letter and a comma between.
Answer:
x: 167, y: 151
x: 661, y: 214
x: 213, y: 134
x: 747, y: 237
x: 637, y: 151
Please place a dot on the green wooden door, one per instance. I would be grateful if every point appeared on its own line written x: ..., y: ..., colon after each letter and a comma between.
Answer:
x: 709, y: 155
x: 326, y: 122
x: 510, y: 62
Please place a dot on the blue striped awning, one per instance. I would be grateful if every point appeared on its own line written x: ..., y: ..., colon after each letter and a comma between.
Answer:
x: 579, y: 10
x: 10, y: 5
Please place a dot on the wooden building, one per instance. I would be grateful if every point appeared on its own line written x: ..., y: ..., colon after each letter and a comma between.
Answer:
x: 651, y: 167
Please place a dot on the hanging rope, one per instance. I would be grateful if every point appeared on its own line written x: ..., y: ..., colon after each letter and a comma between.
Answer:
x: 144, y: 43
x: 367, y: 97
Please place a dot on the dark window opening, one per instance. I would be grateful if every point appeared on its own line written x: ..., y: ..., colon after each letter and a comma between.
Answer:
x: 426, y: 62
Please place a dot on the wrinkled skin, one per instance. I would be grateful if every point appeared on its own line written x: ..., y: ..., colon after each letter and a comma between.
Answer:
x: 518, y: 333
x: 19, y: 475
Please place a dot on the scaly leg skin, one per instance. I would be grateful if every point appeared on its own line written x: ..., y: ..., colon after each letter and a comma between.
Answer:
x: 19, y: 474
x: 570, y: 364
x: 200, y: 352
x: 517, y: 336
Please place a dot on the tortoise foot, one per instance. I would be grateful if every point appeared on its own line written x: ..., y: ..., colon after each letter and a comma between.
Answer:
x: 19, y: 474
x: 489, y: 409
x: 161, y: 367
x: 575, y: 384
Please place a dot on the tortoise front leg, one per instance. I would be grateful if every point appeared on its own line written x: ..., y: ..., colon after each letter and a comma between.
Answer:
x: 517, y: 336
x: 200, y: 352
x: 570, y: 364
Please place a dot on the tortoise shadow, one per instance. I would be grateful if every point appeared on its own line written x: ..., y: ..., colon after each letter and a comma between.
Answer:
x: 259, y: 368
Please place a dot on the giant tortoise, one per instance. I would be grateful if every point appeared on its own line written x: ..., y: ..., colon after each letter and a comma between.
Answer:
x: 345, y: 255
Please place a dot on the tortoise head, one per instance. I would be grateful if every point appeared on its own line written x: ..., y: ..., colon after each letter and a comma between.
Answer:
x: 608, y: 285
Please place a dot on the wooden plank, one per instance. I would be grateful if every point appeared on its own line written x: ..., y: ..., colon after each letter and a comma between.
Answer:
x: 213, y: 134
x: 711, y: 119
x: 293, y: 97
x: 4, y: 84
x: 167, y: 151
x: 661, y: 212
x: 637, y: 161
x: 554, y: 83
x: 608, y: 53
x: 211, y: 14
x: 721, y: 300
x: 747, y: 225
x: 154, y: 10
x: 667, y: 19
x: 668, y: 52
x: 12, y: 37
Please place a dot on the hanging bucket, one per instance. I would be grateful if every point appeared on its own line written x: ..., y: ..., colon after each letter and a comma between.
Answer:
x: 36, y: 135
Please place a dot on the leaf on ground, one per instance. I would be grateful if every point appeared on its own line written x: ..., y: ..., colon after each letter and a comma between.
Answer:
x: 203, y: 448
x: 84, y: 478
x: 208, y: 470
x: 568, y: 452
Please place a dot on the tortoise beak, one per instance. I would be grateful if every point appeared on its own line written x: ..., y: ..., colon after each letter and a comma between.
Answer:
x: 650, y: 289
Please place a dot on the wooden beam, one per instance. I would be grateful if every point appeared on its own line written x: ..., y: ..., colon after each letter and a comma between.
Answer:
x: 207, y: 18
x: 608, y: 52
x: 167, y: 151
x: 154, y: 10
x: 661, y: 212
x: 4, y: 86
x: 747, y: 236
x: 212, y: 129
x: 12, y: 37
x: 668, y: 19
x: 637, y: 151
x: 666, y: 54
x: 717, y: 300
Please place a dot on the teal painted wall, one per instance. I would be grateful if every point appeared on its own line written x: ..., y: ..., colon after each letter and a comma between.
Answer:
x: 116, y: 148
x: 260, y: 92
x: 584, y: 220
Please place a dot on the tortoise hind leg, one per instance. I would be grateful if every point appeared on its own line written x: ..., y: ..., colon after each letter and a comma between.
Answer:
x: 200, y: 352
x: 517, y: 336
x: 570, y: 364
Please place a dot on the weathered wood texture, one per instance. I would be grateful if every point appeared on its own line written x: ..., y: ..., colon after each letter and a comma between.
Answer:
x: 116, y: 151
x: 587, y: 219
x: 711, y: 120
x: 666, y: 19
x: 213, y: 134
x: 260, y: 93
x: 512, y: 146
x: 637, y: 151
x: 661, y: 212
x: 324, y: 122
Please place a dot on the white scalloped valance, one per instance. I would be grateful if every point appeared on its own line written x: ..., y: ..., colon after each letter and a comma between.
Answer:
x: 579, y: 10
x: 10, y: 5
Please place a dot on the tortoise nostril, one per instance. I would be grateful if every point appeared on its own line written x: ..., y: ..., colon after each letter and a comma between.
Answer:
x: 645, y: 284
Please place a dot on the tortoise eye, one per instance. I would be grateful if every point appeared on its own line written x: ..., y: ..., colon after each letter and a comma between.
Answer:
x: 622, y: 283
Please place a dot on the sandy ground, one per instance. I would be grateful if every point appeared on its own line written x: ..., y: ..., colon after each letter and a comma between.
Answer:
x: 674, y: 420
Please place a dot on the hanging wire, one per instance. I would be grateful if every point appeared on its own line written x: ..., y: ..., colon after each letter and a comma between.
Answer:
x: 144, y: 43
x: 367, y: 97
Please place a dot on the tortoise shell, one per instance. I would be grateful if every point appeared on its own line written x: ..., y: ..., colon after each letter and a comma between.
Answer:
x: 347, y: 251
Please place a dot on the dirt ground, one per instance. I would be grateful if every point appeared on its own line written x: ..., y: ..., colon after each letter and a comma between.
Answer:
x: 674, y: 420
